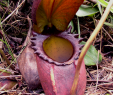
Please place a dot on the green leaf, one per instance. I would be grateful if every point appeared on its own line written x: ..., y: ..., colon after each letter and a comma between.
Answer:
x: 104, y: 4
x: 72, y: 25
x: 108, y: 24
x: 91, y: 56
x: 86, y: 10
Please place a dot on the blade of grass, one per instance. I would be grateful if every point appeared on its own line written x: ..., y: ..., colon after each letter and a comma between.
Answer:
x: 78, y: 26
x: 6, y: 42
x: 87, y: 45
x: 4, y: 56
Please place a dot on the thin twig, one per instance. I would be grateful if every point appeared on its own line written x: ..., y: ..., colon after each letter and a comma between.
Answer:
x: 11, y: 76
x: 3, y: 87
x: 100, y: 81
x: 12, y: 12
x: 97, y: 70
x: 108, y: 34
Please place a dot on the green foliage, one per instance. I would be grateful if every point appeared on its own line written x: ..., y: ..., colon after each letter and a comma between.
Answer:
x: 72, y: 25
x: 104, y: 4
x: 91, y: 57
x: 86, y: 10
x: 107, y: 94
x: 4, y: 3
x: 108, y: 24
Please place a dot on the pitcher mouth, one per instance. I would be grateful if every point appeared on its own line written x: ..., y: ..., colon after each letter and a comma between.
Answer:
x: 37, y: 44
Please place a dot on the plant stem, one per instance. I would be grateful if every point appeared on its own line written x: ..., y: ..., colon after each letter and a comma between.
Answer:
x: 87, y: 45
